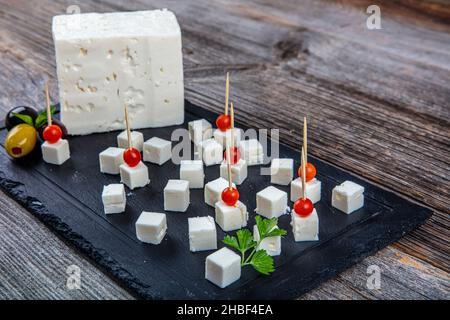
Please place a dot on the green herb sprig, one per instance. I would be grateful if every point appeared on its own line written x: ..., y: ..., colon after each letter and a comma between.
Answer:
x: 40, y: 120
x: 243, y: 242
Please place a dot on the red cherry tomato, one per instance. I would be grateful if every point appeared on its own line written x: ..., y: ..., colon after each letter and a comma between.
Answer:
x: 132, y: 157
x: 223, y: 122
x: 310, y: 171
x: 52, y: 133
x: 230, y: 196
x: 303, y: 207
x: 235, y: 155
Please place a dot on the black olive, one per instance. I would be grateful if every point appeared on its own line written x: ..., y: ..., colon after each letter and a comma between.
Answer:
x: 54, y: 121
x: 11, y: 120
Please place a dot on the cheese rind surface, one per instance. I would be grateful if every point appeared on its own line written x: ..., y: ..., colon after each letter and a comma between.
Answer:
x: 107, y: 60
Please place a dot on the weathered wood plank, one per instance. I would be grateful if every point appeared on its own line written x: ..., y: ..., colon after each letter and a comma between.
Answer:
x: 378, y: 101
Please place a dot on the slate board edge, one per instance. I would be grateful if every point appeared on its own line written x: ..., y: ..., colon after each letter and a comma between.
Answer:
x: 131, y: 283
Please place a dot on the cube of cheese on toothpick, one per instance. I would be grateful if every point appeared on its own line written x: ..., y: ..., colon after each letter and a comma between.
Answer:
x: 137, y: 140
x: 110, y: 160
x: 221, y: 136
x: 271, y: 202
x: 151, y: 227
x: 239, y: 171
x: 213, y: 190
x: 348, y: 197
x: 282, y: 171
x: 211, y: 152
x: 199, y: 130
x: 223, y: 267
x: 113, y: 198
x: 252, y: 152
x: 134, y: 177
x: 231, y: 218
x: 176, y: 195
x: 202, y: 234
x: 272, y: 245
x: 157, y: 150
x: 305, y: 228
x: 313, y: 190
x: 56, y: 153
x: 110, y: 59
x: 192, y: 171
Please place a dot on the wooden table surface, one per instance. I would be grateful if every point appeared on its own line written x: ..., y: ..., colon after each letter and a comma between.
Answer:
x: 378, y: 103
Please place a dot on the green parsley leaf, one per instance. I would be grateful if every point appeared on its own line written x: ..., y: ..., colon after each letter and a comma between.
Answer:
x: 42, y: 117
x: 231, y: 241
x: 276, y: 232
x: 265, y: 226
x: 245, y: 240
x: 25, y: 118
x: 262, y: 262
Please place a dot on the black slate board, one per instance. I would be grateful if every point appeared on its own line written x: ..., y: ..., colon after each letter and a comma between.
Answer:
x: 67, y: 198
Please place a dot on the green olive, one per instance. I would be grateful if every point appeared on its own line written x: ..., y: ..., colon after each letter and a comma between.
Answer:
x: 20, y: 140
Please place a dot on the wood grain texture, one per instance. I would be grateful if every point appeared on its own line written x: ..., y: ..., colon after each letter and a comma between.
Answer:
x: 377, y: 101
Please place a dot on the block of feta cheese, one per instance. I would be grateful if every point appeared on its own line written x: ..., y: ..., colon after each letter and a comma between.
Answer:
x: 305, y: 229
x: 151, y: 227
x: 313, y: 190
x: 157, y: 150
x: 199, y: 130
x: 223, y: 267
x: 137, y: 140
x: 272, y: 245
x: 252, y: 151
x: 271, y: 202
x: 134, y: 177
x: 211, y: 152
x: 348, y: 197
x: 213, y: 190
x: 56, y: 153
x: 106, y: 60
x: 113, y: 198
x: 110, y: 160
x: 221, y: 136
x: 176, y: 195
x: 238, y: 171
x: 192, y: 171
x: 231, y: 218
x: 282, y: 171
x: 202, y: 234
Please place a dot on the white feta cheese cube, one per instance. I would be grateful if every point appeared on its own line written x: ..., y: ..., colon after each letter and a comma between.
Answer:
x: 106, y: 60
x: 113, y: 198
x: 231, y: 218
x: 252, y: 151
x: 348, y: 197
x: 151, y: 227
x: 202, y: 234
x: 199, y: 130
x: 238, y: 171
x: 134, y: 177
x: 305, y: 228
x: 282, y: 171
x: 56, y: 153
x: 271, y: 202
x: 313, y: 190
x: 222, y: 136
x: 213, y: 190
x: 157, y: 150
x: 176, y: 195
x: 137, y: 140
x: 211, y: 152
x: 223, y: 267
x: 111, y: 159
x: 272, y: 245
x: 192, y: 171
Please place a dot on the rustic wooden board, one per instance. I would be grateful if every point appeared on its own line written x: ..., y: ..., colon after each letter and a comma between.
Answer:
x: 72, y: 207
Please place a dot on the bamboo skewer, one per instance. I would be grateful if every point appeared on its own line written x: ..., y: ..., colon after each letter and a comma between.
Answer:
x: 227, y: 92
x: 303, y: 164
x: 232, y: 126
x: 49, y: 111
x: 305, y: 138
x: 230, y: 180
x: 127, y: 123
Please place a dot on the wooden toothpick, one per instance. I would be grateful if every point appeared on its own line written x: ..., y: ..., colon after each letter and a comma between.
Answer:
x: 227, y: 92
x: 303, y: 164
x: 49, y: 111
x: 232, y: 125
x: 305, y: 138
x: 230, y: 180
x: 127, y: 123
